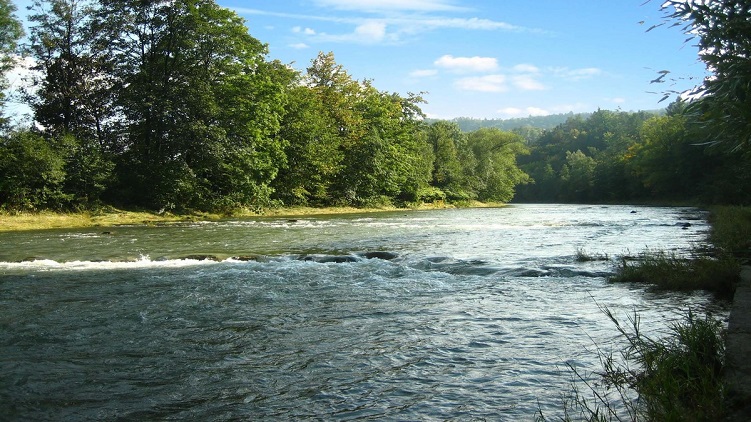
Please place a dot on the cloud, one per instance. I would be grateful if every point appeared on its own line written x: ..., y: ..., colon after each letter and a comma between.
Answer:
x: 467, y: 64
x: 526, y: 68
x: 306, y: 31
x: 423, y: 73
x: 527, y: 83
x: 464, y: 23
x: 618, y: 100
x: 299, y: 46
x: 576, y: 74
x: 394, y: 14
x: 525, y: 112
x: 369, y: 32
x: 487, y: 83
x: 391, y: 5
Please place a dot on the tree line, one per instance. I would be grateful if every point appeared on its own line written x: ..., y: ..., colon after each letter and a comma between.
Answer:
x: 616, y: 156
x: 173, y: 105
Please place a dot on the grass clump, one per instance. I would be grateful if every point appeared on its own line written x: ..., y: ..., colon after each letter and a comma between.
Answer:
x: 731, y: 231
x: 584, y: 256
x: 668, y: 271
x: 675, y: 378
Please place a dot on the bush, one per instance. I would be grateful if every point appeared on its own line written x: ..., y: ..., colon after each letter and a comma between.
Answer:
x: 32, y: 173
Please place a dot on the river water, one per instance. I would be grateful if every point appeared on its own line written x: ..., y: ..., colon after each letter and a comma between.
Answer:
x: 469, y: 313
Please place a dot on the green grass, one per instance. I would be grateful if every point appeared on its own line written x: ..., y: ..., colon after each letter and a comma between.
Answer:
x: 667, y: 271
x: 674, y: 378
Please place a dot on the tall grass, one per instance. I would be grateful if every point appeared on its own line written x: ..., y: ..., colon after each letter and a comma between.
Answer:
x: 675, y: 378
x: 714, y: 268
x: 668, y: 271
x: 731, y: 231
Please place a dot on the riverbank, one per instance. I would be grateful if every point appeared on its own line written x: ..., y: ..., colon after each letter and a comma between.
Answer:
x: 737, y: 351
x: 112, y: 217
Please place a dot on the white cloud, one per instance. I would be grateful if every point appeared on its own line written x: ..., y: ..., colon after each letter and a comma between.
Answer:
x: 371, y: 31
x: 527, y: 83
x: 403, y: 23
x: 509, y: 112
x: 18, y: 76
x: 574, y: 107
x: 463, y: 23
x: 576, y: 74
x: 391, y: 5
x: 487, y: 83
x: 301, y: 30
x: 423, y: 73
x: 467, y: 64
x: 299, y: 46
x: 526, y: 68
x: 536, y: 111
x: 618, y: 100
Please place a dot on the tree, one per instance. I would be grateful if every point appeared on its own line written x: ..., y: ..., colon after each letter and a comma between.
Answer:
x: 73, y: 96
x: 493, y: 172
x: 378, y: 135
x: 31, y: 173
x: 10, y: 32
x: 200, y: 106
x: 446, y: 140
x: 313, y: 156
x: 579, y: 176
x: 722, y: 28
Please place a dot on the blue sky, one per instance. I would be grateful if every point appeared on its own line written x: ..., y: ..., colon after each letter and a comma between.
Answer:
x: 485, y: 58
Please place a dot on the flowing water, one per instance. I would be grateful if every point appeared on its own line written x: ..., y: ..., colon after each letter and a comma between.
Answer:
x: 423, y: 315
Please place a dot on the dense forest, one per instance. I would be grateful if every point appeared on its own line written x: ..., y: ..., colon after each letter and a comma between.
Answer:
x: 174, y: 106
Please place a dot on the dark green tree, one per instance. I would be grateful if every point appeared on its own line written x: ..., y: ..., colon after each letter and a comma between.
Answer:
x: 32, y: 173
x: 722, y: 28
x: 200, y: 105
x: 10, y: 32
x: 73, y: 96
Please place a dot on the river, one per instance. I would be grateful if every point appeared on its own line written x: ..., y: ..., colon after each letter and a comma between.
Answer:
x: 423, y: 315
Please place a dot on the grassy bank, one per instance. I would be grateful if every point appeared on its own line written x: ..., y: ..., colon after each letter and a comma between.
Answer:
x: 110, y: 217
x: 714, y: 267
x: 676, y: 377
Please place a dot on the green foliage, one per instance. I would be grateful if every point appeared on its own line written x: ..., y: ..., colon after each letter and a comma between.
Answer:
x: 673, y: 378
x: 492, y: 170
x: 10, y: 32
x: 173, y: 105
x: 731, y: 231
x: 722, y: 28
x: 32, y: 173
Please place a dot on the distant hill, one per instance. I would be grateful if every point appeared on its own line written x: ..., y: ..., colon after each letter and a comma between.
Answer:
x: 469, y: 124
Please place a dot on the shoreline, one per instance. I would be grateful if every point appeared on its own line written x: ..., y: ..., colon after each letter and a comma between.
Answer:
x: 112, y: 217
